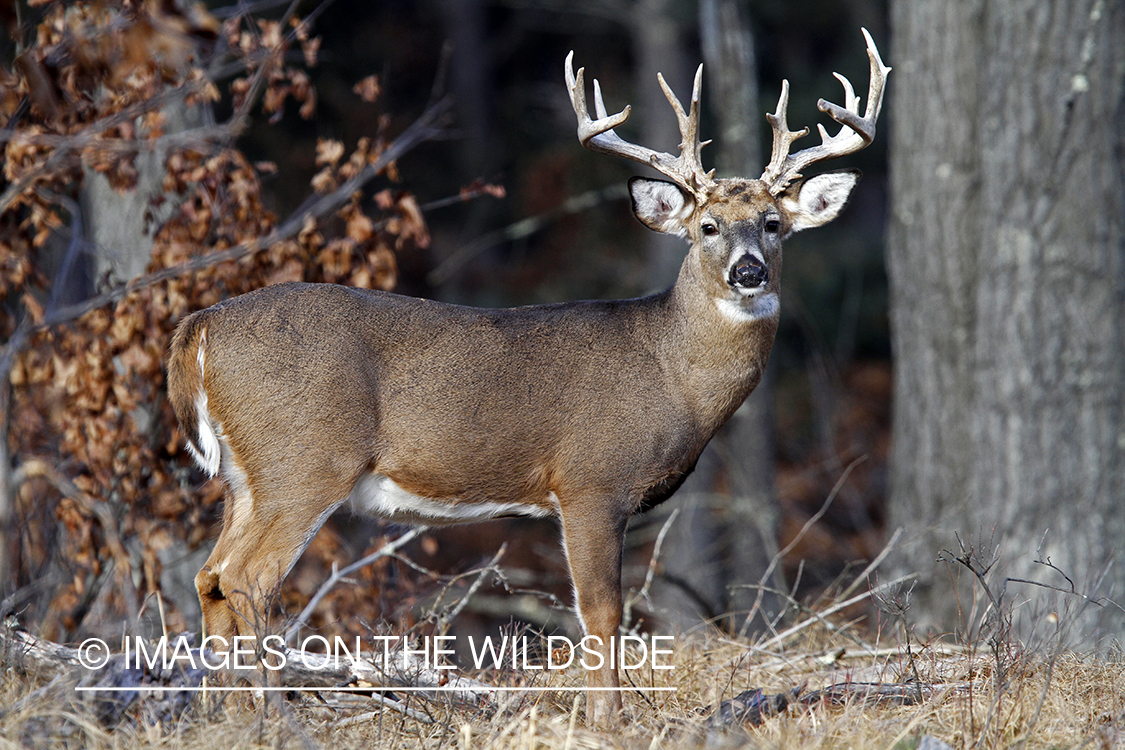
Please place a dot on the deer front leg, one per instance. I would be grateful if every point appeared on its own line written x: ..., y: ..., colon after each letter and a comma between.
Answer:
x: 240, y: 578
x: 263, y: 535
x: 592, y: 540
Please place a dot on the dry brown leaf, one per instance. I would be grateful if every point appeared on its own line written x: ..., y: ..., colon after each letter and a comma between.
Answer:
x: 291, y: 270
x: 414, y: 224
x: 310, y: 48
x: 328, y: 152
x: 271, y: 33
x: 34, y: 309
x: 368, y: 89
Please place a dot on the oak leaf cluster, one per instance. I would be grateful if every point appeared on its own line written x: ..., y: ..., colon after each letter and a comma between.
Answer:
x: 114, y: 491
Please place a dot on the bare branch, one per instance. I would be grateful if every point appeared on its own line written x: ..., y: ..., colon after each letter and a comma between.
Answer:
x: 422, y: 129
x: 821, y: 616
x: 70, y: 145
x: 776, y: 560
x: 338, y: 575
x: 643, y: 594
x: 521, y: 229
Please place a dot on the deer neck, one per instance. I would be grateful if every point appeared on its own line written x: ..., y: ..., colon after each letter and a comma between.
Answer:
x: 719, y: 354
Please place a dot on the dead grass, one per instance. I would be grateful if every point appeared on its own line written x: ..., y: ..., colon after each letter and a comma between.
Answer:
x: 1046, y: 700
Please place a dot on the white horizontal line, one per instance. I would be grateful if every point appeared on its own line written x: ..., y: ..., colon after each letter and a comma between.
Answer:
x: 380, y: 689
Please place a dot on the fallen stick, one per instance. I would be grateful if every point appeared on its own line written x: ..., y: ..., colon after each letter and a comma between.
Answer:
x: 182, y: 668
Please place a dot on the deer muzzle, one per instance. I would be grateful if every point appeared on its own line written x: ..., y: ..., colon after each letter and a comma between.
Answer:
x: 748, y: 272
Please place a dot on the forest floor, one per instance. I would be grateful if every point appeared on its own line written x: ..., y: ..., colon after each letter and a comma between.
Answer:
x: 823, y: 684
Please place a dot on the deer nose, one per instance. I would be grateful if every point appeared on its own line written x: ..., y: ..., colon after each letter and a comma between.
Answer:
x: 749, y: 273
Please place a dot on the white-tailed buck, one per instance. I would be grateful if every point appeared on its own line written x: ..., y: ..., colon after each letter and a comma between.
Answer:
x: 307, y: 397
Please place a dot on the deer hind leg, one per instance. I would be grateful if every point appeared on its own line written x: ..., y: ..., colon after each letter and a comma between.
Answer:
x: 263, y: 535
x: 593, y: 536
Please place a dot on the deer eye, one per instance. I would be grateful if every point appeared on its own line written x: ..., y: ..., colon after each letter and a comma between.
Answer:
x: 772, y: 226
x: 709, y: 229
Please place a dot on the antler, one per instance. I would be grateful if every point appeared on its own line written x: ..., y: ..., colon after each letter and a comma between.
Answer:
x: 857, y: 132
x: 685, y: 170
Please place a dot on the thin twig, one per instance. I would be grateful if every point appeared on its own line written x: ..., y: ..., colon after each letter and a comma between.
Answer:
x: 874, y: 564
x: 339, y: 575
x: 394, y: 705
x: 813, y: 612
x: 1101, y: 601
x: 819, y: 617
x: 241, y: 117
x: 520, y: 229
x: 447, y: 618
x: 970, y: 560
x: 627, y: 617
x: 776, y: 559
x: 465, y: 195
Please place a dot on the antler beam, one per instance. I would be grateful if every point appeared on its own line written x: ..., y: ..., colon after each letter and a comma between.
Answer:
x: 686, y: 170
x: 857, y: 132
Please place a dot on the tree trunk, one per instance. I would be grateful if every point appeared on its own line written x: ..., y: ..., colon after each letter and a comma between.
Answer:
x: 1006, y: 257
x: 120, y: 226
x: 746, y: 444
x: 659, y: 44
x: 725, y: 537
x: 690, y: 588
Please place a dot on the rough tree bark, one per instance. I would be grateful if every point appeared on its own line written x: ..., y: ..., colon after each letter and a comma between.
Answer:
x: 1006, y: 258
x: 120, y: 226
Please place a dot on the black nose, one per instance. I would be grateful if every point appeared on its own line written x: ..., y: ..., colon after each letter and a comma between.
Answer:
x: 749, y: 273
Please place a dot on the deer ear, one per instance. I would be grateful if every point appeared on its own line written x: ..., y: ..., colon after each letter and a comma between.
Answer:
x: 817, y: 200
x: 660, y: 205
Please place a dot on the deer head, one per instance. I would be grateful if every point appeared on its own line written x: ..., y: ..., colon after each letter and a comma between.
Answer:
x: 735, y: 226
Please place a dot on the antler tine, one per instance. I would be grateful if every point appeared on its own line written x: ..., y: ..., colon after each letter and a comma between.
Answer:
x: 783, y: 137
x: 599, y: 103
x: 587, y: 128
x: 855, y: 134
x: 690, y: 161
x: 598, y: 135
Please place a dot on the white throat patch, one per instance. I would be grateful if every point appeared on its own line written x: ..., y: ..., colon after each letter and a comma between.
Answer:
x: 751, y: 309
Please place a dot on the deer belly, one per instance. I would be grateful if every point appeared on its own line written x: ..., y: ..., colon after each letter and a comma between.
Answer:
x: 378, y: 495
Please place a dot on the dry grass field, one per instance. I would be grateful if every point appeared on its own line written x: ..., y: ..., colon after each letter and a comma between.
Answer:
x: 841, y: 686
